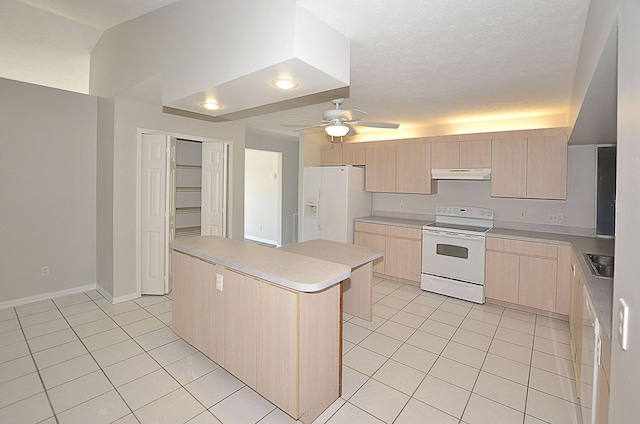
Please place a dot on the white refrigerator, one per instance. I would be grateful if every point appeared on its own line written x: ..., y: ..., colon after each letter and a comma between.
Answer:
x: 333, y: 196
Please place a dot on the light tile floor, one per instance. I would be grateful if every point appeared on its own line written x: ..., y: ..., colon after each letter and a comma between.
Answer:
x: 424, y: 358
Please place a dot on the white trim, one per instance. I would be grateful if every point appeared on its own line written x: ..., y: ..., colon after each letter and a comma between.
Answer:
x: 104, y: 294
x: 262, y: 240
x: 47, y: 296
x: 228, y: 198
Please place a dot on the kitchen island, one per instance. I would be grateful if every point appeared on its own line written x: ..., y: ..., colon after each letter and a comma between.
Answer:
x: 357, y: 291
x: 270, y: 317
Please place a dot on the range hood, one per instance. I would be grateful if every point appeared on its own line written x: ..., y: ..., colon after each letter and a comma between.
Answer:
x: 482, y: 174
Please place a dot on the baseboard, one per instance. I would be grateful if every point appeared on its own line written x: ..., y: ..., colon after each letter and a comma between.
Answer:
x: 119, y: 299
x: 46, y: 296
x: 261, y: 240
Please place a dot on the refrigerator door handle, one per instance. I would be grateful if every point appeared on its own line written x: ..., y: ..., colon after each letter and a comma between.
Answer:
x: 320, y: 208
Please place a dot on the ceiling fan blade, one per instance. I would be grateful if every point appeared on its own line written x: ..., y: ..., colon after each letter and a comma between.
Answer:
x: 352, y: 132
x: 304, y: 128
x: 387, y: 125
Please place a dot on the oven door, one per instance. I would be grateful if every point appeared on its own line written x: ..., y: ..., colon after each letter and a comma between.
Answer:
x: 453, y: 255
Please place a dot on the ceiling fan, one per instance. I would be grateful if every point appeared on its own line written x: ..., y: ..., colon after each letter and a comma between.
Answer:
x: 339, y: 123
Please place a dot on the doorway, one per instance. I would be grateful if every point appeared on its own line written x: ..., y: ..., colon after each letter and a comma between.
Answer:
x: 183, y: 190
x: 263, y: 197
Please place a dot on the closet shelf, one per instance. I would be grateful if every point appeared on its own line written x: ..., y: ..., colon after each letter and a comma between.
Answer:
x: 187, y: 232
x: 188, y: 189
x: 184, y: 166
x: 191, y: 209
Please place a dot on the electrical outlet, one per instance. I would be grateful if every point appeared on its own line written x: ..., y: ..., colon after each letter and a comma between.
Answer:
x: 44, y: 271
x: 401, y: 205
x: 259, y: 226
x: 623, y: 323
x: 523, y: 214
x: 555, y: 217
x: 218, y: 282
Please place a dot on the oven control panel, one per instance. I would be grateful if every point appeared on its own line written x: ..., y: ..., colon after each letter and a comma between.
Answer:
x: 465, y: 212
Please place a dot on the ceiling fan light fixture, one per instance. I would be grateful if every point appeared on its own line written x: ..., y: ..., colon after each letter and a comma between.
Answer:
x: 337, y: 130
x: 284, y: 83
x: 209, y: 105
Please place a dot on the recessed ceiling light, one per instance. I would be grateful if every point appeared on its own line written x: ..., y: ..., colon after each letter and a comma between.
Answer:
x: 211, y: 105
x: 284, y: 83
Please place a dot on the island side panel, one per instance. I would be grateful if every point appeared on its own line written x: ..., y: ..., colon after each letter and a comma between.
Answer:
x: 320, y: 351
x: 358, y: 292
x: 278, y: 347
x: 182, y: 275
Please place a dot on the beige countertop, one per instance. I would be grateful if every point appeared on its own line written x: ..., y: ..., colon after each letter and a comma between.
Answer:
x: 350, y: 255
x: 290, y: 270
x: 600, y: 289
x: 400, y: 222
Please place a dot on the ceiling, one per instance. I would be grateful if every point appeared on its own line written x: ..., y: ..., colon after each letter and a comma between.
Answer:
x: 422, y: 64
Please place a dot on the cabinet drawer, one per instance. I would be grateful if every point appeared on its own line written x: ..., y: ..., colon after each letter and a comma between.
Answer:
x: 404, y: 232
x: 544, y: 250
x: 366, y: 227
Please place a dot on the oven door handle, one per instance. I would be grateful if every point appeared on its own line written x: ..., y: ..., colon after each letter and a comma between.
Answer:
x: 453, y: 235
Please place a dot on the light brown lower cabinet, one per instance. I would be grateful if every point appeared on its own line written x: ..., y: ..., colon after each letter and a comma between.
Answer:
x: 526, y: 273
x: 402, y: 248
x: 283, y: 343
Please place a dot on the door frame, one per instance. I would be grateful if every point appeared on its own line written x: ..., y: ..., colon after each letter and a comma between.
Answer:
x: 229, y: 191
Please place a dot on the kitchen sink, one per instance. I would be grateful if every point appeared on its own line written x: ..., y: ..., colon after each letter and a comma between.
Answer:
x: 601, y: 265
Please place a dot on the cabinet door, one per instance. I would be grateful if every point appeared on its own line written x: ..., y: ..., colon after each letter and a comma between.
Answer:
x: 372, y: 240
x: 403, y: 258
x: 240, y: 306
x: 537, y: 287
x: 475, y: 154
x: 331, y: 157
x: 563, y: 289
x: 547, y: 168
x: 509, y: 168
x: 278, y: 366
x: 413, y: 169
x: 354, y: 154
x: 502, y: 272
x: 380, y: 175
x: 445, y: 155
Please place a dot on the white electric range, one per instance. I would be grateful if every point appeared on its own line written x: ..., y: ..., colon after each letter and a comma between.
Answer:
x: 453, y: 252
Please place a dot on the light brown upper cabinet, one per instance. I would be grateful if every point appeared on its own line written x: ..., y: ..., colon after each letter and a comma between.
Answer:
x: 413, y: 169
x: 353, y: 154
x: 399, y: 168
x: 331, y: 156
x: 380, y: 175
x: 533, y: 168
x: 547, y: 168
x: 463, y: 154
x: 509, y: 168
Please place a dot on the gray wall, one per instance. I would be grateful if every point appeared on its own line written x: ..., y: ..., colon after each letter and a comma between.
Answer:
x: 625, y: 367
x: 118, y: 162
x: 48, y: 173
x: 290, y: 156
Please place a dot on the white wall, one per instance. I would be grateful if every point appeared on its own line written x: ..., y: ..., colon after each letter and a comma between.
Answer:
x: 48, y: 173
x: 290, y: 149
x: 262, y: 196
x: 578, y: 209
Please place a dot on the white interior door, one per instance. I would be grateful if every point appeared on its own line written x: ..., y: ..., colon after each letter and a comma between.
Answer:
x: 154, y: 213
x: 214, y: 189
x: 171, y: 192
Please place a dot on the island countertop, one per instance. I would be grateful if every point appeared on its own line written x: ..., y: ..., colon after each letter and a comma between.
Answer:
x: 351, y: 255
x: 290, y: 270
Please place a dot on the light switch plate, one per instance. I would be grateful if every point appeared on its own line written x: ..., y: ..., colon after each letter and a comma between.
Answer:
x: 623, y: 323
x: 218, y: 282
